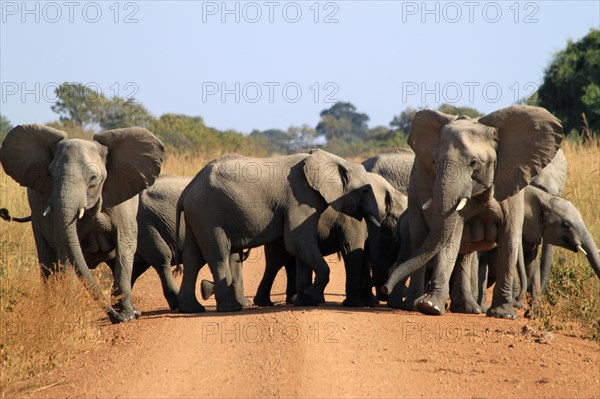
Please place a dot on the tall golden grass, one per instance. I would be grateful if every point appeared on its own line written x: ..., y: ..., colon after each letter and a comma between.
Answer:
x: 572, y: 297
x: 45, y: 324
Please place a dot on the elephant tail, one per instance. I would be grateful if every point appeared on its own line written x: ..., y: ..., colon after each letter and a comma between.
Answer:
x: 522, y: 273
x: 179, y: 211
x: 4, y: 214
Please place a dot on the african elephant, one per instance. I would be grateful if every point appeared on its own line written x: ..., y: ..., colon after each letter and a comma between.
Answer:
x: 239, y: 203
x: 553, y: 221
x: 83, y: 197
x: 156, y: 234
x: 471, y: 169
x: 352, y: 238
x: 394, y: 167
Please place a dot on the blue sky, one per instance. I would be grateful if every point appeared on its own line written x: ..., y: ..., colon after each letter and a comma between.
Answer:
x: 271, y: 64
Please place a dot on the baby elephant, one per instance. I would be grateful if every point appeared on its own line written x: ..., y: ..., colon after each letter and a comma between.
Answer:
x: 238, y: 203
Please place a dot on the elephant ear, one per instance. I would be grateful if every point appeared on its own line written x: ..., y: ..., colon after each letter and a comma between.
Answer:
x: 326, y: 174
x: 26, y: 153
x: 424, y: 134
x: 527, y: 140
x: 133, y: 162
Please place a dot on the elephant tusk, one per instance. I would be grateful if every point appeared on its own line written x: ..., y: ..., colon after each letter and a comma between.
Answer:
x: 427, y: 204
x: 580, y: 249
x: 461, y: 204
x: 374, y: 221
x: 81, y: 212
x: 46, y: 211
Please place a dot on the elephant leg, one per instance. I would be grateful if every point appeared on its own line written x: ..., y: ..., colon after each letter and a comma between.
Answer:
x: 192, y: 263
x: 290, y: 271
x: 122, y: 280
x: 275, y: 255
x: 218, y: 261
x: 237, y: 279
x: 170, y: 290
x: 509, y: 241
x: 534, y: 280
x: 139, y: 267
x: 545, y: 264
x: 353, y: 262
x: 367, y: 282
x: 416, y: 286
x: 462, y: 298
x: 414, y: 291
x: 303, y: 282
x: 482, y: 266
x: 46, y: 255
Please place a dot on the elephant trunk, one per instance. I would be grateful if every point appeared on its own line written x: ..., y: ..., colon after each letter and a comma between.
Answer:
x: 442, y: 224
x: 69, y: 251
x: 589, y: 246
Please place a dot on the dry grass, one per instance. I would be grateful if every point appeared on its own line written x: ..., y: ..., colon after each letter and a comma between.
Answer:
x: 572, y: 298
x: 44, y: 325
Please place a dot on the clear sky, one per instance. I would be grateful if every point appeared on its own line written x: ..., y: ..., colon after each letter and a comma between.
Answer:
x: 269, y: 64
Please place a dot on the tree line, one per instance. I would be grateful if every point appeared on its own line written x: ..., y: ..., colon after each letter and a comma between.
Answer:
x: 570, y: 90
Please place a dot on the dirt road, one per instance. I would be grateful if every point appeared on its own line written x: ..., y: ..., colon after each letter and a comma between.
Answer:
x: 329, y: 351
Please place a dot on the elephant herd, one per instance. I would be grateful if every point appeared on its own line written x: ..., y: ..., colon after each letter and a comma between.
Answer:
x: 468, y: 208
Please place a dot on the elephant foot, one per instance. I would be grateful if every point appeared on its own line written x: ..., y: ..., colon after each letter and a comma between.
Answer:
x: 465, y: 307
x: 305, y: 300
x: 246, y: 302
x: 517, y: 303
x: 190, y: 306
x: 229, y: 305
x: 289, y: 299
x: 120, y: 317
x: 172, y: 300
x: 316, y: 293
x: 126, y: 308
x: 353, y: 303
x: 431, y: 305
x: 506, y: 311
x: 207, y: 289
x: 532, y: 313
x: 369, y: 300
x: 264, y: 302
x: 484, y: 307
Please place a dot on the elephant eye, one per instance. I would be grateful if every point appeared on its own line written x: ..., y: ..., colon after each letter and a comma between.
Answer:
x: 93, y: 179
x: 566, y: 224
x: 473, y: 163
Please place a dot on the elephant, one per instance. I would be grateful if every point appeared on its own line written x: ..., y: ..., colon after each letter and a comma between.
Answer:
x: 83, y: 196
x: 471, y: 171
x: 156, y: 234
x: 553, y: 221
x: 339, y: 233
x: 238, y: 203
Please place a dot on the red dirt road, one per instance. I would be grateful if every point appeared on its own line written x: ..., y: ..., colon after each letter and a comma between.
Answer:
x: 329, y: 351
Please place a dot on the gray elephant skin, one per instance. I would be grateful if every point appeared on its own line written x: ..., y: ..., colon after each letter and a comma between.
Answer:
x: 471, y: 169
x: 358, y: 242
x: 156, y: 234
x: 256, y: 201
x: 83, y: 196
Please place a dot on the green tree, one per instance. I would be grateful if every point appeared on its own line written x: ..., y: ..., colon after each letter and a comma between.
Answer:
x: 119, y: 112
x: 571, y: 84
x: 342, y: 120
x: 301, y: 137
x: 402, y: 122
x: 274, y: 140
x: 77, y: 103
x: 5, y: 127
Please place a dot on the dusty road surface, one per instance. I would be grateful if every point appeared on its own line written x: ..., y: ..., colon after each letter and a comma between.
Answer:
x: 324, y: 352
